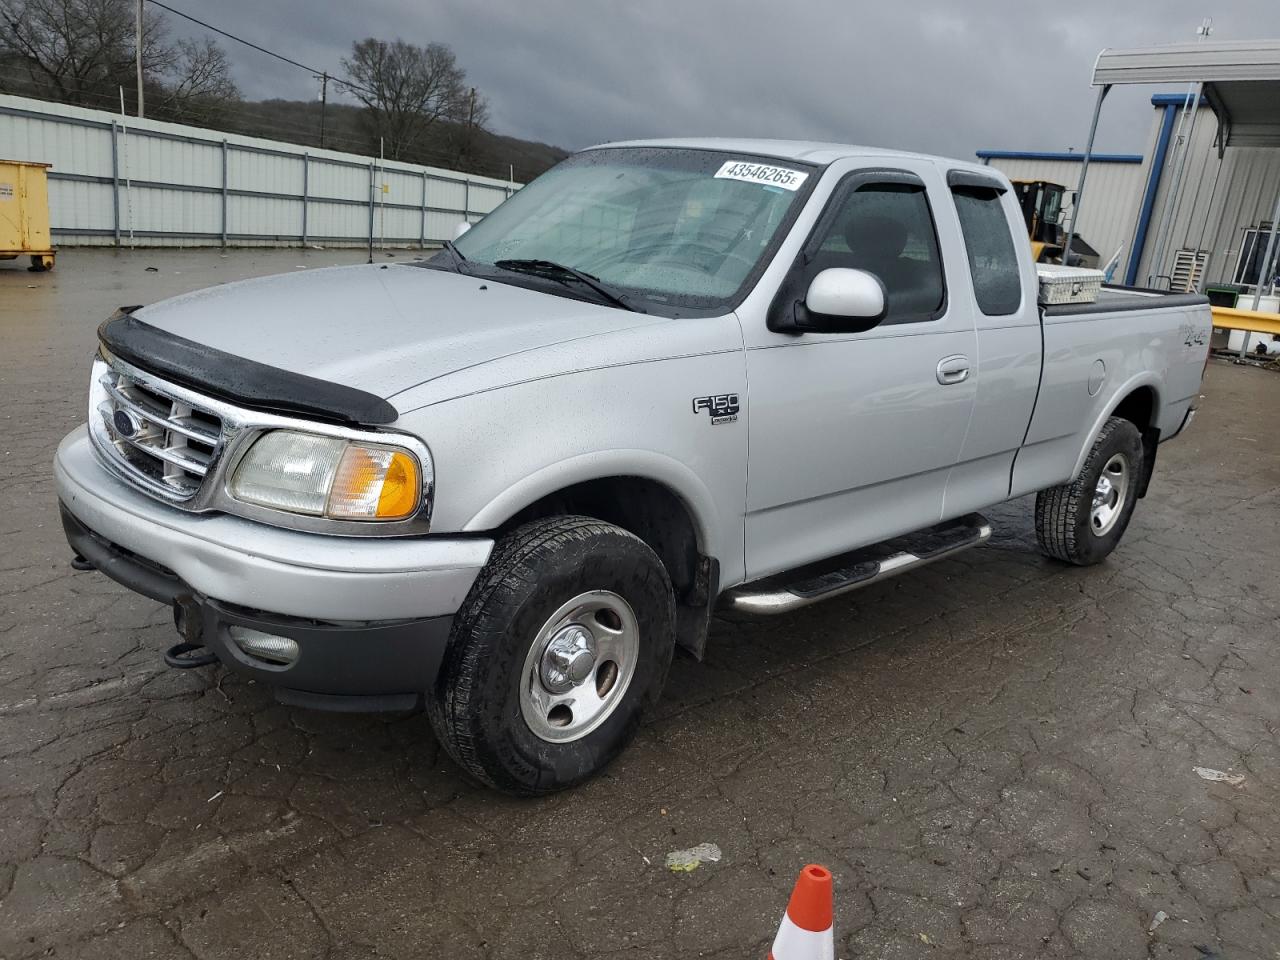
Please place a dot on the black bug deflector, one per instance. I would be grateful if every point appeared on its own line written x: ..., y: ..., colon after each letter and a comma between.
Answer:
x: 238, y: 380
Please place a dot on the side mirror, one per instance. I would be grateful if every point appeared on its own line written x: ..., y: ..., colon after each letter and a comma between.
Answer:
x: 843, y: 300
x: 460, y: 229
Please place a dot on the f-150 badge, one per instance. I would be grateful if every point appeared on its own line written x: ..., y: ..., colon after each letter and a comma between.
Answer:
x: 722, y: 408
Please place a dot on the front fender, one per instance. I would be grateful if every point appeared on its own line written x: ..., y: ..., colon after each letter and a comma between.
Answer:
x: 646, y: 464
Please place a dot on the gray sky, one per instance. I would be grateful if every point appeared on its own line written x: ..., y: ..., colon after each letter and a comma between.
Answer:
x: 941, y: 76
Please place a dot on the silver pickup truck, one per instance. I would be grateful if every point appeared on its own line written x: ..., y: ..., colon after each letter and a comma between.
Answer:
x: 504, y: 483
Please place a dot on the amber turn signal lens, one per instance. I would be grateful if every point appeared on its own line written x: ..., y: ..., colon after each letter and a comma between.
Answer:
x: 379, y: 483
x: 400, y: 487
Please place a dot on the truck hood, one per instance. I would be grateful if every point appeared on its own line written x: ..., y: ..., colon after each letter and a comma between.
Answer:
x: 381, y: 329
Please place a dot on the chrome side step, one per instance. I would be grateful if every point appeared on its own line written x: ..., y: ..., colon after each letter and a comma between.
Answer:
x: 783, y: 593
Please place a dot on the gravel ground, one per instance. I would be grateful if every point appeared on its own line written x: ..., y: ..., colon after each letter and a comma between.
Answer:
x: 994, y: 755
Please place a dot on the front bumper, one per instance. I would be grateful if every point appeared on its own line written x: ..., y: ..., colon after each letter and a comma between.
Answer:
x: 270, y: 568
x: 370, y: 615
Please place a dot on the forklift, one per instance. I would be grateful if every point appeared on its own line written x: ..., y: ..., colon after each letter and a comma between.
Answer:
x: 1041, y: 204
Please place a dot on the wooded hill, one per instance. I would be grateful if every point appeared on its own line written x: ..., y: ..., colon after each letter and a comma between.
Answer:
x: 447, y: 144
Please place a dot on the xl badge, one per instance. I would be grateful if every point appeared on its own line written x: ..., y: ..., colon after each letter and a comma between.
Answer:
x: 722, y: 408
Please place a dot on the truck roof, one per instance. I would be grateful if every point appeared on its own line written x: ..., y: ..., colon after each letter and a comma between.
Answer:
x: 808, y: 151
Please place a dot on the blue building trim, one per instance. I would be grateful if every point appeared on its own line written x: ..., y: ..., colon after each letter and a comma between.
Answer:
x: 1040, y: 155
x: 1172, y: 103
x: 1174, y: 100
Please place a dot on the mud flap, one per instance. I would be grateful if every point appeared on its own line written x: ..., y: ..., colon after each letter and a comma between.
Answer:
x: 1150, y: 444
x: 693, y: 611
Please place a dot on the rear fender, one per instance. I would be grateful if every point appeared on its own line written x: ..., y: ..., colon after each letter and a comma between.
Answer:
x: 1118, y: 396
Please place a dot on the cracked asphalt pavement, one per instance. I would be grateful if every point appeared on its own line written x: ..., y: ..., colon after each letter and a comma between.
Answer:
x: 994, y: 755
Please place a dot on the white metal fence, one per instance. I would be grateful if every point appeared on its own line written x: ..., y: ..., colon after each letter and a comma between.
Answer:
x: 122, y: 181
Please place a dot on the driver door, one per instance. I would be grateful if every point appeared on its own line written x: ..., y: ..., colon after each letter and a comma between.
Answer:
x: 853, y: 435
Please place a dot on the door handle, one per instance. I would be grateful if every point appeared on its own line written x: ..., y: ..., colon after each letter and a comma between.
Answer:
x: 953, y: 369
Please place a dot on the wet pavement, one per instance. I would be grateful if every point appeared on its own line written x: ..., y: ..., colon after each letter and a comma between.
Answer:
x: 994, y: 755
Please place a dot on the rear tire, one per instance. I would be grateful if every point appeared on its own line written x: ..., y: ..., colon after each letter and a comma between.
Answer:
x: 561, y: 646
x: 1082, y: 522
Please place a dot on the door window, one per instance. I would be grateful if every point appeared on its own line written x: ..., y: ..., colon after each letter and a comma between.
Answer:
x: 887, y: 229
x: 993, y: 259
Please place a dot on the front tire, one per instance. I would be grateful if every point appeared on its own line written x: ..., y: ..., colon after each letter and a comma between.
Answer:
x: 1082, y: 522
x: 559, y: 649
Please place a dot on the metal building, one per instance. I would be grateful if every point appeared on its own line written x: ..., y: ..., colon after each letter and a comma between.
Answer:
x: 1231, y: 190
x: 1115, y: 186
x: 1213, y: 218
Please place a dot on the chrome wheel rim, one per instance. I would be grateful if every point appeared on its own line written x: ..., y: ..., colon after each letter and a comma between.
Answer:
x: 1109, y: 495
x: 579, y: 666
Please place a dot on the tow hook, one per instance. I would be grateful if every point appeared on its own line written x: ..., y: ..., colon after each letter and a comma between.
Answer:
x: 190, y: 626
x: 80, y: 563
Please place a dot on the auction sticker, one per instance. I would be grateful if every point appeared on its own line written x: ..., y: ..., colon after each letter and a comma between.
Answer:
x: 762, y: 174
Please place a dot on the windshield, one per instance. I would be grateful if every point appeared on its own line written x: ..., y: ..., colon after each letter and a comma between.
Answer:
x: 1052, y: 204
x: 680, y: 231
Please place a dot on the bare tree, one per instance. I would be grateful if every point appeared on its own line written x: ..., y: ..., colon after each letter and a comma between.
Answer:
x: 79, y: 50
x: 199, y: 87
x: 405, y: 88
x: 82, y: 51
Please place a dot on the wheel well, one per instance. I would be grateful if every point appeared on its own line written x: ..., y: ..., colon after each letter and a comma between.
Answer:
x: 644, y: 507
x: 1138, y: 408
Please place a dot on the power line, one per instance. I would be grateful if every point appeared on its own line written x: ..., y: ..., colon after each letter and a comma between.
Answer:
x: 261, y: 49
x: 232, y: 36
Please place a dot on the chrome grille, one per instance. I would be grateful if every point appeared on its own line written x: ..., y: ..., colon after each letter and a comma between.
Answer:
x: 163, y: 443
x: 182, y: 445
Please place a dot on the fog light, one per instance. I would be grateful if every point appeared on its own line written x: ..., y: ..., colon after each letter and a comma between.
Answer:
x: 264, y: 646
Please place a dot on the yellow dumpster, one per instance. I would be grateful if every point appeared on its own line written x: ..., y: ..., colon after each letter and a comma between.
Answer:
x: 24, y: 213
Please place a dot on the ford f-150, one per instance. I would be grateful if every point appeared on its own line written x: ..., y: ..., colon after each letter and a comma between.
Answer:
x: 504, y: 483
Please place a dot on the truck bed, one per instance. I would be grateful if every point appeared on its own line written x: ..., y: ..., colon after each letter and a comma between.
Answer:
x: 1118, y: 299
x: 1137, y: 347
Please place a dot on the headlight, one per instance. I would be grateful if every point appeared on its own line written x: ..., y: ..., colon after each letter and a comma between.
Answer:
x: 329, y: 477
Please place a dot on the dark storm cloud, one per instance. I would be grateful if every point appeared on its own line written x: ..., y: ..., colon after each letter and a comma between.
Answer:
x: 938, y: 76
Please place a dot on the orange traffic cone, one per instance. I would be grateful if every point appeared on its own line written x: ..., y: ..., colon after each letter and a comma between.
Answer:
x: 806, y: 931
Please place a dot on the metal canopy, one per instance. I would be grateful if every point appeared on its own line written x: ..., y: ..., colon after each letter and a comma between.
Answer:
x: 1241, y: 81
x: 1248, y: 112
x: 1190, y: 62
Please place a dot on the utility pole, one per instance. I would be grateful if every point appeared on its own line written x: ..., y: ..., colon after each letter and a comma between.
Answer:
x: 324, y: 102
x: 471, y: 119
x: 138, y: 52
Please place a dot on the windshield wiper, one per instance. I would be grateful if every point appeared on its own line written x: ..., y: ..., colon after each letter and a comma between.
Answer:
x: 459, y: 261
x: 558, y: 271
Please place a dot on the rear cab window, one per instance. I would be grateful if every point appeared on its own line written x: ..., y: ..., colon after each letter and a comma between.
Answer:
x: 993, y: 257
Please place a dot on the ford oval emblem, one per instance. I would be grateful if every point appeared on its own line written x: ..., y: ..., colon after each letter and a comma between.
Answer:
x: 124, y: 423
